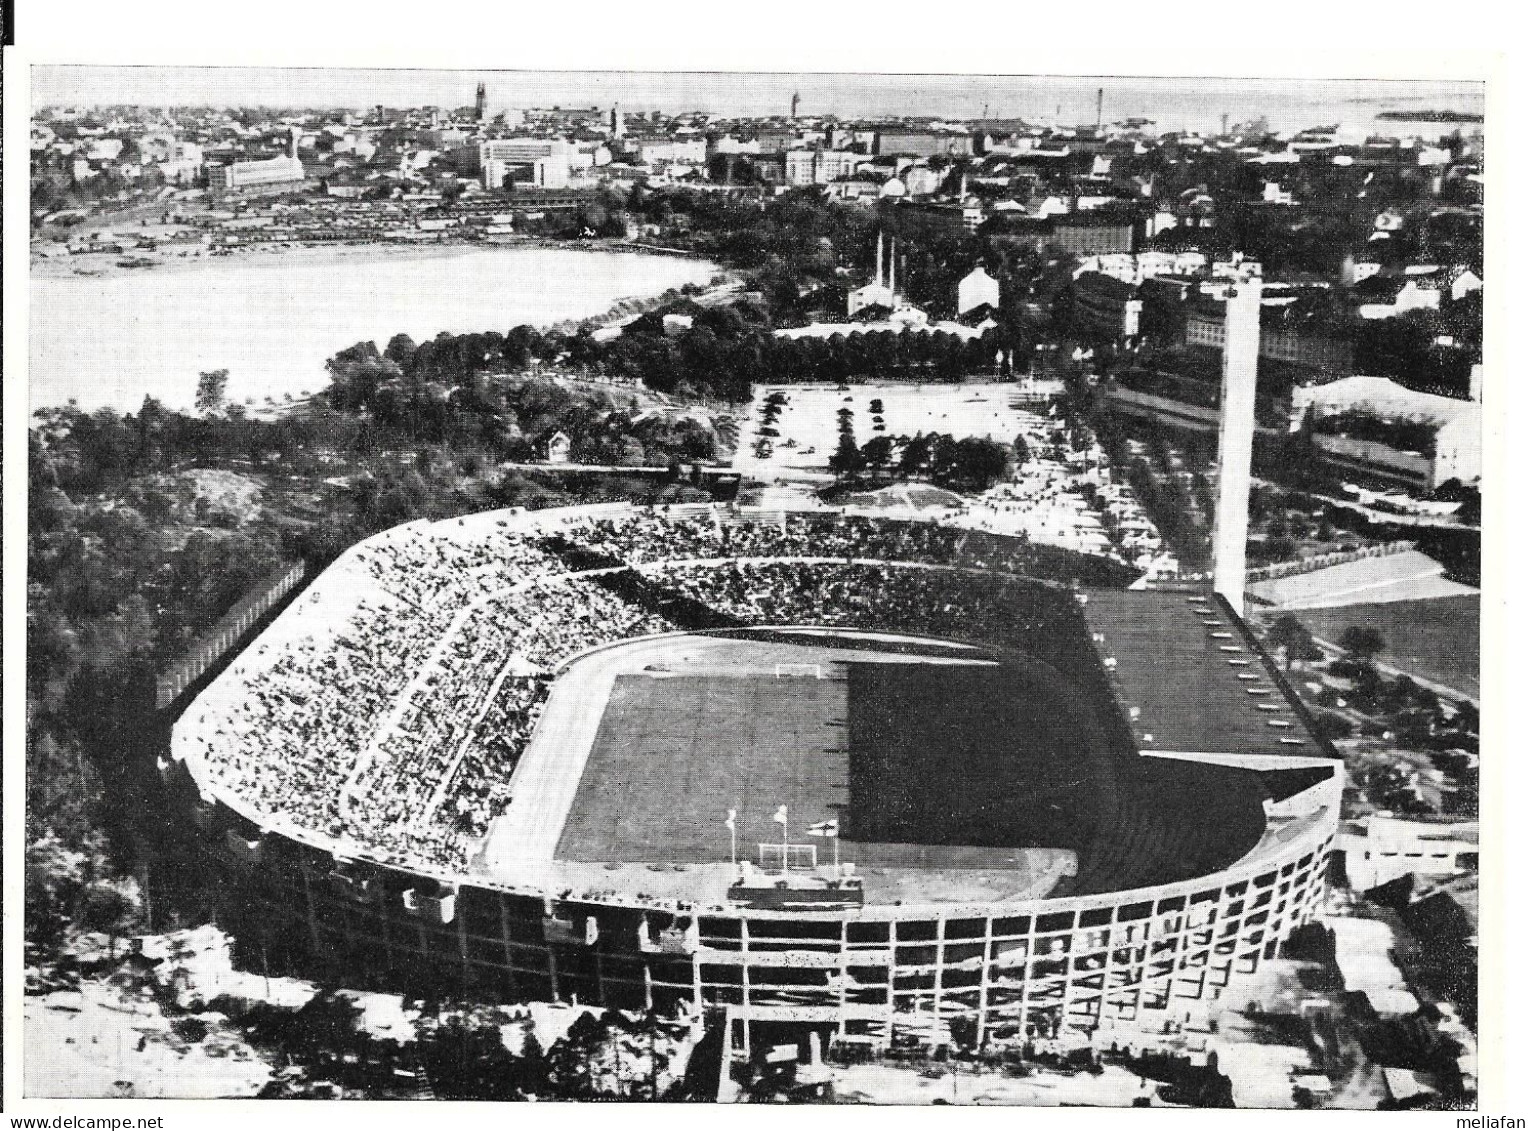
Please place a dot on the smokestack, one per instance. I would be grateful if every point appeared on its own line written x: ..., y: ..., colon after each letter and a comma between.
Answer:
x: 1224, y: 119
x: 1239, y: 389
x: 1099, y: 127
x: 794, y: 105
x: 479, y: 103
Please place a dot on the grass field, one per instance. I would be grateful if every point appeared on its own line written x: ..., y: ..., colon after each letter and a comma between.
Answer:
x: 962, y: 764
x: 674, y: 753
x: 971, y: 756
x: 1438, y: 639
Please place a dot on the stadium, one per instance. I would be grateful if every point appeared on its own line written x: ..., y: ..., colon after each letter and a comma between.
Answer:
x: 870, y: 776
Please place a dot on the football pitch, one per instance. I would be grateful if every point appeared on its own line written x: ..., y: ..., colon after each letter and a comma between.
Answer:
x: 924, y: 765
x: 674, y: 753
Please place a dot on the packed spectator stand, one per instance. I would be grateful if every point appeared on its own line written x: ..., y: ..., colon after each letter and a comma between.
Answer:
x: 391, y: 721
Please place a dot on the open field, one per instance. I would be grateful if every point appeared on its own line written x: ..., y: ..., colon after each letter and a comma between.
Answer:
x: 676, y: 751
x: 809, y: 420
x: 1438, y: 639
x: 632, y: 775
x: 1406, y: 577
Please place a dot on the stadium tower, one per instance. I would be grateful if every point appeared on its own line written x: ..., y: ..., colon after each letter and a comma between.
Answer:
x: 1239, y: 388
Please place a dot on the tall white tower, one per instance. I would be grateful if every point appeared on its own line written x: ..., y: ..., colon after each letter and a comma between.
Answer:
x: 1239, y: 391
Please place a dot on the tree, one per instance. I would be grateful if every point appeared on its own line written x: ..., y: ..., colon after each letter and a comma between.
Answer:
x: 970, y: 463
x: 877, y: 453
x: 211, y: 387
x: 1362, y: 642
x: 847, y: 461
x: 1287, y: 633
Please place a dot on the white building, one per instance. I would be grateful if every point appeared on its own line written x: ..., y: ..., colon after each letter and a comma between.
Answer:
x: 255, y: 174
x: 977, y: 289
x: 1408, y: 293
x: 674, y: 152
x: 1388, y: 847
x: 877, y: 292
x: 1456, y: 451
x: 548, y: 160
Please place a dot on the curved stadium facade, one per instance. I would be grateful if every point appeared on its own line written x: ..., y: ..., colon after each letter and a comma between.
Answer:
x: 492, y: 756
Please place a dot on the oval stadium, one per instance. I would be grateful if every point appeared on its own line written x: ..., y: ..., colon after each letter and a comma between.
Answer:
x: 866, y: 775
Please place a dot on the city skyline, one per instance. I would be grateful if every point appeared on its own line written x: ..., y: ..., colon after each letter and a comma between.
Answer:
x: 1048, y: 99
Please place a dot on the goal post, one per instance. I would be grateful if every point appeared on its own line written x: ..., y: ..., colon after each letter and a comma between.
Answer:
x: 790, y: 671
x: 770, y: 857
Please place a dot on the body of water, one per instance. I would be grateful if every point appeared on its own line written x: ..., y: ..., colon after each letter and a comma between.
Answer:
x: 274, y: 320
x: 1193, y: 103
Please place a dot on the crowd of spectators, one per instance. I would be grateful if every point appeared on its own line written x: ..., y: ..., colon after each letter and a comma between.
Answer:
x: 648, y: 536
x: 395, y: 725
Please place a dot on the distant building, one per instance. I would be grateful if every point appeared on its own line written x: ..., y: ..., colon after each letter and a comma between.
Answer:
x: 672, y: 151
x: 876, y: 293
x: 241, y: 175
x: 1381, y: 296
x: 1107, y: 306
x: 1205, y: 326
x: 975, y: 290
x: 1373, y: 427
x: 1098, y: 232
x: 1382, y: 848
x: 540, y: 162
x: 558, y: 450
x: 819, y: 166
x: 921, y: 143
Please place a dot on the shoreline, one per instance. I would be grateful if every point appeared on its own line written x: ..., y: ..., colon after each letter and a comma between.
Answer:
x: 106, y: 264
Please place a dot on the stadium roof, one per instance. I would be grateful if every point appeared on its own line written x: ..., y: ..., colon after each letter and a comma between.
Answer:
x: 1191, y: 679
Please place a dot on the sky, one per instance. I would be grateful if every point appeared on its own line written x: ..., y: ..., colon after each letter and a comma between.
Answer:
x: 1070, y: 100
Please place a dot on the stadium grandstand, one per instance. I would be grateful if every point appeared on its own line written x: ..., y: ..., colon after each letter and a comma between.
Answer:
x: 859, y: 774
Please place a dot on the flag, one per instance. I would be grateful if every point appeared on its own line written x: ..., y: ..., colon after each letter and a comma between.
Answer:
x: 825, y: 828
x: 782, y: 816
x: 730, y: 820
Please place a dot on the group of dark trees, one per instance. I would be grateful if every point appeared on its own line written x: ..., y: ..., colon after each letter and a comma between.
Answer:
x: 968, y: 464
x: 129, y: 561
x: 463, y: 1054
x: 450, y: 384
